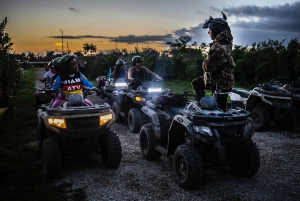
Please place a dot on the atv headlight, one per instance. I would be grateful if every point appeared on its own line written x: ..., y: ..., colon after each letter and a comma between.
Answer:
x: 154, y: 90
x: 203, y: 130
x: 121, y: 84
x: 248, y: 126
x: 140, y: 99
x: 104, y: 119
x: 57, y: 122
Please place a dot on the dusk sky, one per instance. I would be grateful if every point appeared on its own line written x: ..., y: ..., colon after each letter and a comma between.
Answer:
x: 35, y: 25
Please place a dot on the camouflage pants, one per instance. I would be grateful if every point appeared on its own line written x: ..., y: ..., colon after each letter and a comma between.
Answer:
x: 199, y: 88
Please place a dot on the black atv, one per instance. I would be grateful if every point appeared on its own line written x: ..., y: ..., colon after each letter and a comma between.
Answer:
x: 76, y: 128
x: 197, y: 134
x: 41, y: 97
x: 266, y: 102
x: 294, y: 89
x: 111, y: 89
x: 130, y: 102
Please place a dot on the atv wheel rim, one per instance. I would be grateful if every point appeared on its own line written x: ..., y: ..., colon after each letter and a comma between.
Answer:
x: 181, y: 168
x: 257, y: 119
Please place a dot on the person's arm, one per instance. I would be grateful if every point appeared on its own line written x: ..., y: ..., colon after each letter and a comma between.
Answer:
x: 85, y: 81
x: 44, y: 78
x: 150, y: 72
x: 130, y: 71
x: 113, y: 73
x: 215, y: 59
x: 56, y: 83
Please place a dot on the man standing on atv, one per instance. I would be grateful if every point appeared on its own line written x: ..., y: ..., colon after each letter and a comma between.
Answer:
x: 219, y: 65
x: 119, y: 70
x: 137, y: 73
x: 71, y: 80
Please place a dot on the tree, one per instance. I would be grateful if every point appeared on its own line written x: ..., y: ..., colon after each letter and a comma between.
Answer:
x: 9, y: 70
x: 180, y: 44
x: 89, y: 48
x: 5, y: 40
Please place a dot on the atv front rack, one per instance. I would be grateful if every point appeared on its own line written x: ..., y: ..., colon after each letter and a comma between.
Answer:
x: 76, y: 109
x: 237, y: 114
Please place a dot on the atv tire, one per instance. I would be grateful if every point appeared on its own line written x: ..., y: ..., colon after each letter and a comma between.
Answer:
x: 248, y: 162
x: 118, y: 117
x: 51, y: 158
x: 110, y: 149
x: 147, y: 142
x: 135, y: 120
x: 188, y: 166
x: 288, y: 121
x: 261, y: 118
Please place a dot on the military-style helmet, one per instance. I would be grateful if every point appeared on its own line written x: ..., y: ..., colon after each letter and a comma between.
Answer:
x: 120, y: 63
x: 55, y: 63
x: 219, y: 23
x: 135, y: 59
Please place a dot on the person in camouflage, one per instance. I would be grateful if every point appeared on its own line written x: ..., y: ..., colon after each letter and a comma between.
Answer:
x: 219, y: 65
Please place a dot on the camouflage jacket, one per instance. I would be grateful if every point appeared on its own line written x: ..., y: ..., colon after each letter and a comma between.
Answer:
x: 219, y: 65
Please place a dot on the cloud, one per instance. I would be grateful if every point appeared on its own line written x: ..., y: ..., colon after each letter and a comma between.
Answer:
x: 248, y: 23
x: 251, y: 23
x: 73, y: 9
x: 130, y: 39
x: 276, y: 18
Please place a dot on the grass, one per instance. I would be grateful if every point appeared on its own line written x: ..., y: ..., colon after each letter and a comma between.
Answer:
x: 20, y: 167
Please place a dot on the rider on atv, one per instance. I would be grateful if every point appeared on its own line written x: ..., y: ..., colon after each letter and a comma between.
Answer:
x: 47, y: 78
x: 119, y: 70
x: 71, y: 80
x: 137, y: 73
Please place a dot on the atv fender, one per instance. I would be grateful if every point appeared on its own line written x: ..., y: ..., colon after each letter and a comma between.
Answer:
x: 161, y: 122
x: 251, y: 102
x: 176, y: 136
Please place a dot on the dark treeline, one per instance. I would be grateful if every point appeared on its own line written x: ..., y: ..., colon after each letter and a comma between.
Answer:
x: 257, y: 63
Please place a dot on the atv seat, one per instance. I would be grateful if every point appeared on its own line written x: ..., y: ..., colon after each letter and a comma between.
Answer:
x: 244, y: 93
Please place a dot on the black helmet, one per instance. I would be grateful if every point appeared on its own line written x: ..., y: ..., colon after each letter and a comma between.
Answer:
x: 135, y: 59
x: 120, y: 63
x: 65, y: 61
x: 219, y: 23
x: 55, y: 63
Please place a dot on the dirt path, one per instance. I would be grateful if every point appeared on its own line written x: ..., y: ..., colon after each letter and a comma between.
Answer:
x: 138, y: 179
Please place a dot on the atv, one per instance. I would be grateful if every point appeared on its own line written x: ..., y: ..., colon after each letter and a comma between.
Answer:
x: 76, y: 129
x: 110, y: 90
x: 266, y: 102
x: 294, y: 89
x: 197, y: 134
x: 41, y: 97
x: 129, y: 104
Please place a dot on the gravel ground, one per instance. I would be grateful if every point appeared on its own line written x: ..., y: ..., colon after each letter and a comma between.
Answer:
x: 278, y: 178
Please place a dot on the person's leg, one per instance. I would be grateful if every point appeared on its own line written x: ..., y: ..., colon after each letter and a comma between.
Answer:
x: 198, y: 86
x: 89, y: 103
x: 222, y: 101
x: 59, y: 101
